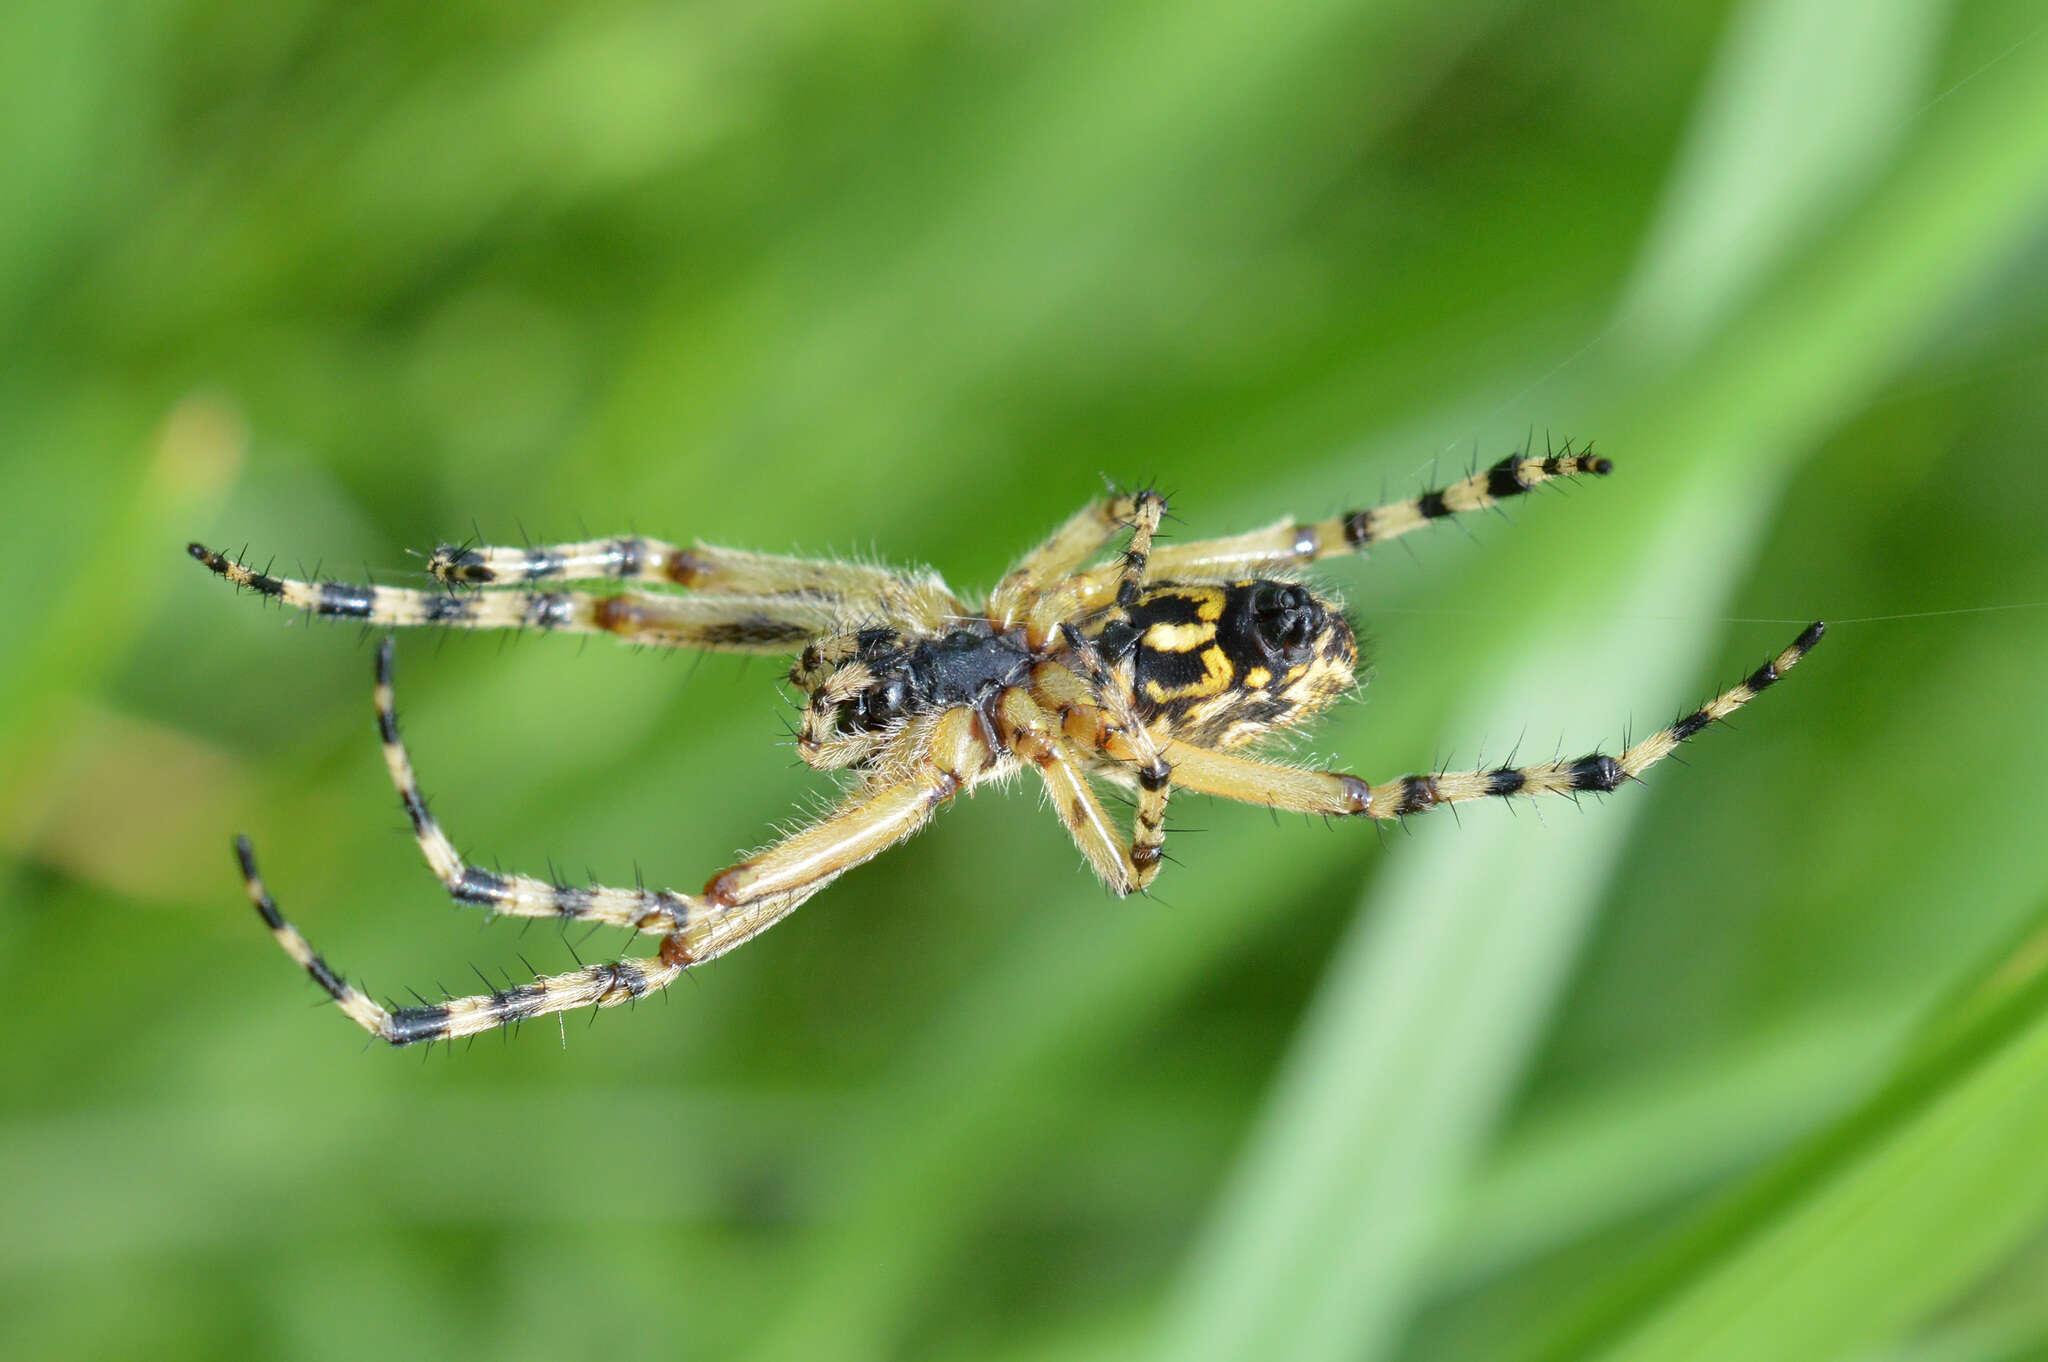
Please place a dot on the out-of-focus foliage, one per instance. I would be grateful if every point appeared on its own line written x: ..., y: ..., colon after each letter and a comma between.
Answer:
x: 1740, y: 1064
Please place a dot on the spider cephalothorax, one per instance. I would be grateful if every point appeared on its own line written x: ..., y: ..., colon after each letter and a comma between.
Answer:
x: 1148, y: 671
x: 865, y: 685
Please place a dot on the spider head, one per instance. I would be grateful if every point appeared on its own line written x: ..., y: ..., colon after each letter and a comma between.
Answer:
x: 865, y: 686
x: 1226, y: 662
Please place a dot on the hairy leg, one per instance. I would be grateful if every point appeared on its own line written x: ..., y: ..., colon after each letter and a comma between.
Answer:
x: 605, y: 985
x: 1332, y: 792
x: 853, y: 588
x: 716, y: 623
x: 739, y: 904
x: 939, y: 758
x: 934, y: 759
x: 1085, y: 534
x: 1291, y: 544
x: 658, y: 911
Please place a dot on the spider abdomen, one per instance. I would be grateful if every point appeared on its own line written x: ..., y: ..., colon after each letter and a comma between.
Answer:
x: 1219, y: 663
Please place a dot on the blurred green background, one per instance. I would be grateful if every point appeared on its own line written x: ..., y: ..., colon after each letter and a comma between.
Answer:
x: 1752, y: 1062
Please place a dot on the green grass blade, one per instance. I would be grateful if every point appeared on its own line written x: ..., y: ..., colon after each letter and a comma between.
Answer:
x: 1854, y: 1237
x: 1806, y: 100
x: 1627, y: 1148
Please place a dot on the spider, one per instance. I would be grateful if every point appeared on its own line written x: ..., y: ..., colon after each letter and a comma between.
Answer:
x: 1153, y: 671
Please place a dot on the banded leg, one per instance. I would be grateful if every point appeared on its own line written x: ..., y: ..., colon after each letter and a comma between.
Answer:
x: 1292, y: 543
x: 774, y: 884
x: 1331, y: 792
x: 1073, y: 544
x: 1148, y: 509
x: 605, y: 985
x: 717, y: 623
x: 739, y: 904
x: 784, y: 879
x: 1050, y: 610
x: 621, y: 558
x: 1035, y: 736
x: 857, y: 588
x: 659, y: 911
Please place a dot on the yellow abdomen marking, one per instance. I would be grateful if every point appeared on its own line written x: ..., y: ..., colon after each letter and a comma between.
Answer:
x: 1179, y: 638
x: 1214, y: 680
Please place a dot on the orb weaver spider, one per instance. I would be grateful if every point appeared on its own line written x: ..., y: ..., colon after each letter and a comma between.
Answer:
x: 1152, y: 671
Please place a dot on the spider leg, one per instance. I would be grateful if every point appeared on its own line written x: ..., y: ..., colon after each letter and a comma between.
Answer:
x: 658, y: 911
x: 604, y: 985
x: 1071, y: 546
x: 935, y: 759
x: 1062, y: 601
x: 737, y: 905
x: 1149, y: 508
x: 731, y: 910
x: 854, y: 588
x: 620, y: 558
x: 717, y: 623
x: 1034, y: 735
x: 1293, y: 543
x: 1331, y: 792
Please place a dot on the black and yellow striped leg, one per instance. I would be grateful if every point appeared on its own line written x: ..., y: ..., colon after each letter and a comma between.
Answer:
x: 1032, y: 583
x: 1147, y: 510
x: 606, y: 985
x: 656, y: 911
x: 1333, y: 792
x: 721, y: 927
x: 716, y: 623
x: 850, y: 588
x: 1292, y: 543
x: 738, y: 904
x: 1509, y: 478
x: 620, y: 558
